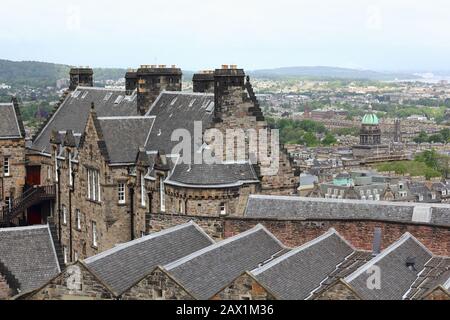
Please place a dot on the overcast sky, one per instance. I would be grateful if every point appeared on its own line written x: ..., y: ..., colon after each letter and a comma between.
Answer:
x: 254, y: 34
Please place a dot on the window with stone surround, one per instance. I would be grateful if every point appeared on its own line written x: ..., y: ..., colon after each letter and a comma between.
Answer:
x: 66, y: 256
x: 143, y: 191
x: 64, y: 214
x: 94, y: 234
x: 162, y: 194
x: 6, y: 168
x: 223, y: 209
x: 93, y: 185
x: 78, y: 218
x: 121, y: 192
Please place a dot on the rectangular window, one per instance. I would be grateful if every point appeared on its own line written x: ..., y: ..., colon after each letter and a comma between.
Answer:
x: 56, y: 165
x: 75, y: 255
x: 94, y: 233
x: 121, y: 192
x: 8, y: 203
x: 64, y: 214
x: 6, y: 169
x: 162, y: 194
x: 78, y: 217
x: 66, y: 256
x: 70, y: 170
x: 223, y: 209
x: 143, y: 192
x: 93, y: 185
x: 181, y: 206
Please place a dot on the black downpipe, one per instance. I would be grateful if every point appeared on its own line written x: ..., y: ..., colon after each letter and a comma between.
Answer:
x: 58, y: 172
x: 132, y: 213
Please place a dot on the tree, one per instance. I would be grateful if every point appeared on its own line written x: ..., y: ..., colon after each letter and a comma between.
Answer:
x: 329, y: 140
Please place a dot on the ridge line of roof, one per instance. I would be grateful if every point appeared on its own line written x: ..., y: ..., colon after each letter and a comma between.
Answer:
x: 176, y: 263
x: 125, y: 245
x: 43, y: 226
x: 379, y: 257
x: 294, y: 251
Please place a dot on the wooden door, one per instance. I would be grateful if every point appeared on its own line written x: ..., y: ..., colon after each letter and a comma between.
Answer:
x: 33, y: 176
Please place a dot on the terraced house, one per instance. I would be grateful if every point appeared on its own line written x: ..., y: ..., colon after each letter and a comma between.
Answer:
x: 106, y: 160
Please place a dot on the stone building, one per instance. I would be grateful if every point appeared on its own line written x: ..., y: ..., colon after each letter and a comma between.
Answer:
x: 114, y: 156
x: 370, y: 138
x: 12, y: 159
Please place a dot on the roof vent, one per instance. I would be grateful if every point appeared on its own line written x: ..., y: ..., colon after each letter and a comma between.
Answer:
x: 411, y: 263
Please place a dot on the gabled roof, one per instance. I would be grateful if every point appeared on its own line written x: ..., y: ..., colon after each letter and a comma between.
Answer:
x: 72, y: 114
x: 127, y: 263
x: 124, y: 136
x: 11, y: 126
x: 29, y: 254
x: 397, y: 276
x: 207, y: 271
x: 298, y: 273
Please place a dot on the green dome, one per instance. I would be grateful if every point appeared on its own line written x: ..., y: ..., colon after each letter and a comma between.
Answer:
x: 370, y: 119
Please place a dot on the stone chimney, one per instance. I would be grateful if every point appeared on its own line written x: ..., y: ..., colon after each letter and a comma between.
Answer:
x: 204, y: 81
x: 82, y: 76
x: 152, y: 80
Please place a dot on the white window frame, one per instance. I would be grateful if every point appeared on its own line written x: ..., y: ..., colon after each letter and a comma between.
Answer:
x: 94, y: 234
x: 65, y: 254
x: 223, y: 209
x: 162, y: 194
x: 93, y: 184
x: 6, y: 167
x: 121, y: 193
x: 64, y: 214
x: 78, y: 217
x: 56, y: 165
x: 143, y: 191
x: 70, y: 169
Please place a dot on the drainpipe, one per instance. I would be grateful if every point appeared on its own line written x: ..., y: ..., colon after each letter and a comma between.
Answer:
x: 71, y: 191
x: 58, y: 172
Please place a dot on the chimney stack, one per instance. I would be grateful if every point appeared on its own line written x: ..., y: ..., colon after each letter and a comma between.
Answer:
x: 203, y: 81
x: 152, y: 80
x: 81, y: 76
x: 376, y: 246
x: 224, y: 79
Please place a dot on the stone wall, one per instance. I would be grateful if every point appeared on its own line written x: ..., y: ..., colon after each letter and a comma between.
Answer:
x: 245, y: 287
x: 157, y: 286
x: 359, y: 233
x: 74, y: 283
x: 5, y: 290
x: 438, y: 294
x: 338, y: 291
x: 12, y: 185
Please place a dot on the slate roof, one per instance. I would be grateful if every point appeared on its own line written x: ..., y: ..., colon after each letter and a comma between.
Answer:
x: 9, y: 122
x: 212, y: 175
x: 124, y: 136
x: 295, y: 275
x: 178, y: 110
x: 291, y: 207
x: 396, y: 277
x: 436, y: 272
x: 206, y: 272
x: 72, y: 114
x: 29, y: 254
x: 124, y: 265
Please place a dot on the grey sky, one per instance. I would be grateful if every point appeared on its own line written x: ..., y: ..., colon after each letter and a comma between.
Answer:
x: 198, y: 34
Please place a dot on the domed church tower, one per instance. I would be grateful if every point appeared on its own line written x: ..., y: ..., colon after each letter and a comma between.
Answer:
x: 370, y: 138
x: 370, y: 133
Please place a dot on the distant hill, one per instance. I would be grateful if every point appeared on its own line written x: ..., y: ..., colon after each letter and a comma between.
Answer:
x: 42, y: 74
x: 321, y: 72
